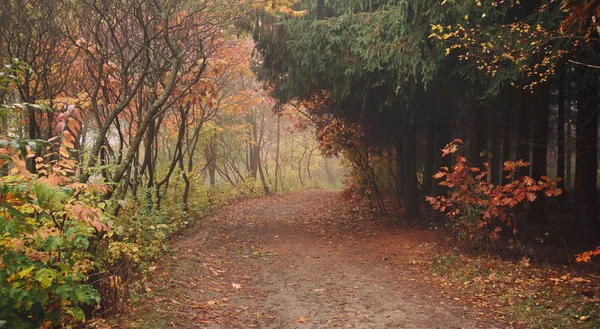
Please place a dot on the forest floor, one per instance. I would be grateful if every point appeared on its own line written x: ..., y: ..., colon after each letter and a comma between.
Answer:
x: 304, y: 260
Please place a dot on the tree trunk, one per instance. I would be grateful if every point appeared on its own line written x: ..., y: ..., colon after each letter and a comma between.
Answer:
x: 443, y: 133
x: 586, y: 163
x: 300, y: 167
x: 537, y: 208
x: 212, y: 170
x: 428, y: 165
x: 569, y: 149
x: 510, y: 107
x: 30, y: 163
x: 148, y: 152
x: 560, y: 137
x: 308, y: 163
x: 211, y: 161
x: 411, y: 192
x: 135, y: 177
x: 260, y: 171
x: 495, y: 145
x: 253, y: 156
x: 188, y: 184
x: 524, y: 138
x: 177, y: 156
x: 277, y: 153
x: 399, y: 148
x: 479, y: 137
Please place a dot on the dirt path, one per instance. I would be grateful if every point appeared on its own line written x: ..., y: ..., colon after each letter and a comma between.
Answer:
x: 301, y: 260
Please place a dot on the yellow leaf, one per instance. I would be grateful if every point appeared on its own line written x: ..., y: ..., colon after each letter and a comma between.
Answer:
x: 26, y: 272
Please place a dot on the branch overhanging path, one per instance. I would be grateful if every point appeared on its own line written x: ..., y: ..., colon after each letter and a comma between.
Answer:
x: 300, y: 260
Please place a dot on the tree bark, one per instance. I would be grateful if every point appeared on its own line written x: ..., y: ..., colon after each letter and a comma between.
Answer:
x: 523, y: 143
x: 569, y: 149
x: 429, y: 150
x: 308, y: 160
x: 560, y: 137
x: 277, y: 153
x: 411, y: 192
x: 511, y: 105
x: 586, y: 163
x: 495, y: 144
x: 537, y: 208
x: 399, y: 149
x: 443, y: 133
x: 260, y: 171
x: 479, y: 136
x: 300, y: 167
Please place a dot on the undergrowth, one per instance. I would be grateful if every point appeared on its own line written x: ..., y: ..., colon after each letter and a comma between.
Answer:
x: 541, y: 296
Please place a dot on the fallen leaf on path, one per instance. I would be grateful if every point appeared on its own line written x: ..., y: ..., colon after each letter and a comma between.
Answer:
x: 578, y: 279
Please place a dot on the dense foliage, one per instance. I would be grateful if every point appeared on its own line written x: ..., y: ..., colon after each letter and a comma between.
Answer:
x: 515, y: 79
x: 122, y: 123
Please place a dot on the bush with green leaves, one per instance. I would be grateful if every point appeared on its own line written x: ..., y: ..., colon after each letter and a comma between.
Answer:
x: 46, y: 224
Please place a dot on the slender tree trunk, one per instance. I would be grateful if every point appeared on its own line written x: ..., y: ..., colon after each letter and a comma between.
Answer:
x: 390, y: 166
x: 560, y: 137
x: 177, y: 156
x: 211, y: 159
x: 495, y: 144
x: 411, y: 191
x: 148, y: 150
x: 186, y: 190
x: 277, y: 152
x: 399, y: 151
x: 445, y: 112
x: 586, y: 163
x: 135, y: 177
x: 308, y: 160
x: 260, y: 172
x: 510, y: 107
x: 537, y: 208
x: 212, y: 169
x: 253, y: 157
x: 479, y: 136
x: 300, y: 167
x: 30, y: 163
x: 428, y: 166
x: 569, y: 150
x: 524, y: 138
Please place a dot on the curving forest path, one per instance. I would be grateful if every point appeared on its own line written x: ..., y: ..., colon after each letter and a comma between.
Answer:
x: 299, y: 260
